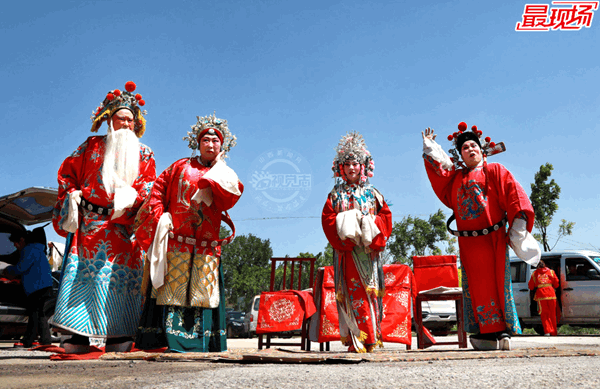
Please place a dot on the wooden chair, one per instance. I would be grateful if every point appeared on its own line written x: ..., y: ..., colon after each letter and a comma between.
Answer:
x: 431, y: 272
x: 291, y: 281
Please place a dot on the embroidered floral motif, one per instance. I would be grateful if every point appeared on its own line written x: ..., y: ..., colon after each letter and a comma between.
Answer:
x: 471, y: 201
x: 489, y: 314
x: 389, y: 279
x: 282, y: 310
x: 434, y: 164
x: 401, y: 330
x: 329, y: 328
x: 510, y: 315
x: 346, y: 197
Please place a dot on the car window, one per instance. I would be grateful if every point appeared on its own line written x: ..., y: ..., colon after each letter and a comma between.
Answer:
x: 578, y: 269
x: 517, y: 273
x: 256, y: 303
x: 596, y: 259
x: 6, y: 246
x: 235, y: 315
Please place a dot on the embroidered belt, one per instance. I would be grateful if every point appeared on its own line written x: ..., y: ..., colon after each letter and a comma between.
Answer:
x: 483, y: 231
x: 544, y: 285
x: 206, y: 243
x: 95, y: 208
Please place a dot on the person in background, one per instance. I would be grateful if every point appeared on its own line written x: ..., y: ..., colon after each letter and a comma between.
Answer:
x: 544, y: 281
x: 36, y: 278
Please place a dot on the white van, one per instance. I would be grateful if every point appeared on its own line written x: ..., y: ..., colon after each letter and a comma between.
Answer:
x: 578, y: 294
x: 252, y: 317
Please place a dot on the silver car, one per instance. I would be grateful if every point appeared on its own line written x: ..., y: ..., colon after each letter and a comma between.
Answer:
x: 578, y: 294
x: 27, y: 207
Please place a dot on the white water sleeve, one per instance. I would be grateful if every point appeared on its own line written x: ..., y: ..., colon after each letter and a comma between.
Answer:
x: 369, y: 230
x: 434, y: 150
x: 523, y: 243
x: 157, y: 252
x: 71, y: 224
x: 124, y: 198
x: 348, y: 226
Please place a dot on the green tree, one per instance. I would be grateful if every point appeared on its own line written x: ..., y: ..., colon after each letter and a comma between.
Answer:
x: 543, y: 197
x: 246, y: 268
x: 415, y: 236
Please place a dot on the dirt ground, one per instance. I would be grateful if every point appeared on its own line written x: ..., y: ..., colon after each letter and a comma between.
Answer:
x: 92, y: 374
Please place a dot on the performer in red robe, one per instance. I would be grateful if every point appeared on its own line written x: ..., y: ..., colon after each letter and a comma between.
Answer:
x: 544, y: 281
x: 100, y: 188
x: 484, y: 198
x: 357, y: 223
x: 179, y: 226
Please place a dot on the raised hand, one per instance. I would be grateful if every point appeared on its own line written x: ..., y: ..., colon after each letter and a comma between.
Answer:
x: 428, y: 134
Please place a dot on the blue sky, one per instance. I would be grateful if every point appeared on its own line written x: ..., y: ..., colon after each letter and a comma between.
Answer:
x: 299, y: 75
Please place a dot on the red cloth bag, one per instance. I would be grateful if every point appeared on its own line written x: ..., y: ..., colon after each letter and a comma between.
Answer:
x: 435, y: 270
x: 396, y: 321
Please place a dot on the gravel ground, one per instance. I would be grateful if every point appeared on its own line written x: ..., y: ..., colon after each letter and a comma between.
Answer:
x: 29, y: 369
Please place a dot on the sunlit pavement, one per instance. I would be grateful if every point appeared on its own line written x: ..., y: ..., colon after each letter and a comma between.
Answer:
x: 517, y: 342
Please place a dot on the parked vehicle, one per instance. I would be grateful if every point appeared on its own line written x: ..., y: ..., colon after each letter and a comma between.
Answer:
x: 235, y: 324
x: 439, y: 316
x: 24, y: 208
x: 251, y: 317
x: 578, y: 294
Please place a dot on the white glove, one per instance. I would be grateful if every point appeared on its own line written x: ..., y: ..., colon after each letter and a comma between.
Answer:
x: 523, y: 243
x: 71, y: 224
x: 124, y: 198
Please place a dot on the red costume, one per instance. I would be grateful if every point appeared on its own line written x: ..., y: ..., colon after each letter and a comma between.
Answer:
x: 186, y: 310
x: 480, y: 198
x: 102, y: 270
x: 357, y: 213
x: 544, y: 281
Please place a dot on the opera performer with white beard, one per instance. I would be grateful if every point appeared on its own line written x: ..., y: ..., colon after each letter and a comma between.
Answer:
x: 101, y: 187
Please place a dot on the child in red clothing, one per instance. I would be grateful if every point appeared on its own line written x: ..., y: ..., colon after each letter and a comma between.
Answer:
x: 545, y: 281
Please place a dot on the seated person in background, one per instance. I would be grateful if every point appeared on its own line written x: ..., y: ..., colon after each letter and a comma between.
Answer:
x: 574, y: 273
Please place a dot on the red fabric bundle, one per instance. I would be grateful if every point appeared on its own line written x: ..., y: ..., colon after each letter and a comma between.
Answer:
x: 284, y: 310
x: 329, y: 329
x: 400, y: 289
x: 435, y: 270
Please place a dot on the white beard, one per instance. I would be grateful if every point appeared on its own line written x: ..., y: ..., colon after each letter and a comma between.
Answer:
x: 121, y: 159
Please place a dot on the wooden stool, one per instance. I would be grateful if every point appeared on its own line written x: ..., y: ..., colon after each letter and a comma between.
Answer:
x: 457, y: 297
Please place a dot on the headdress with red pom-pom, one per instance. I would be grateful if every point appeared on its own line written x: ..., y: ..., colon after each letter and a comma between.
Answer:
x: 352, y: 147
x: 462, y: 135
x: 116, y: 100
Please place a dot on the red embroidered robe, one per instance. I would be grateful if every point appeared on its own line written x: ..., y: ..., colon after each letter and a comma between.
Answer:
x: 193, y: 270
x: 102, y: 270
x: 479, y: 199
x: 359, y: 280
